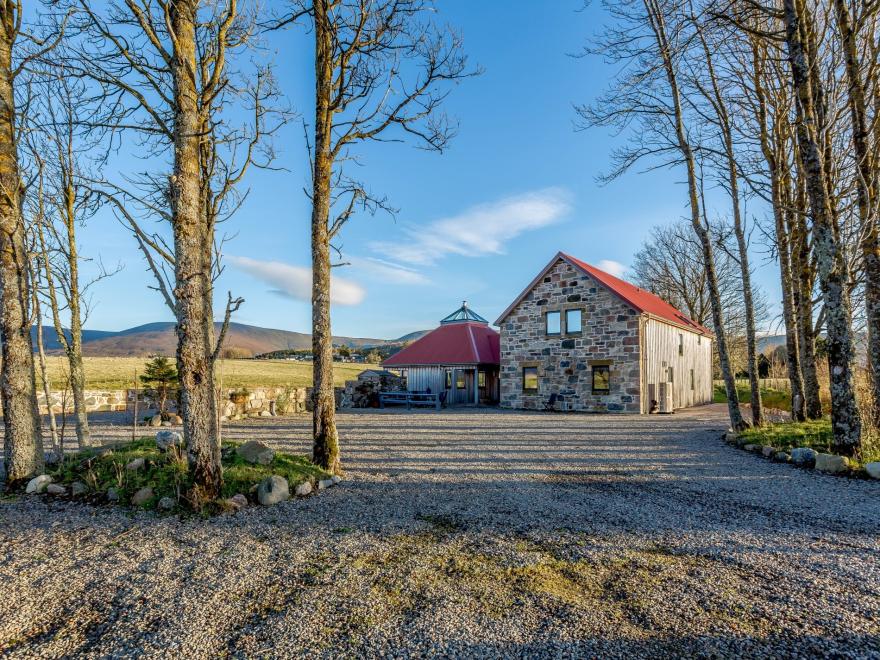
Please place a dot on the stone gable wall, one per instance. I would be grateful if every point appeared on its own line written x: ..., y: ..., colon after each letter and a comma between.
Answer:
x: 610, y: 335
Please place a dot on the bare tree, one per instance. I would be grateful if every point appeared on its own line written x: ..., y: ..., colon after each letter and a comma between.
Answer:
x: 814, y: 159
x: 160, y: 69
x: 717, y: 94
x: 64, y: 200
x: 649, y: 41
x: 858, y: 32
x: 23, y: 446
x: 382, y: 72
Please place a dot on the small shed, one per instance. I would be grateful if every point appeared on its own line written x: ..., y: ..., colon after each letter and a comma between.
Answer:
x: 460, y: 358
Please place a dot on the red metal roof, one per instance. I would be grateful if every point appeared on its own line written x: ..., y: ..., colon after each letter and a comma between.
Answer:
x: 642, y: 300
x: 455, y: 343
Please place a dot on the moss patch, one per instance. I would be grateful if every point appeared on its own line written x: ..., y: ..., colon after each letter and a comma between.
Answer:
x: 167, y: 474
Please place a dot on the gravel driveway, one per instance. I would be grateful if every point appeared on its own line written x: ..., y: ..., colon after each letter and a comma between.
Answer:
x: 469, y: 533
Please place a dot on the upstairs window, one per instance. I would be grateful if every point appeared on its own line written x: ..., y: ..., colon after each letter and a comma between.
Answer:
x: 530, y: 379
x: 573, y: 321
x: 681, y: 344
x: 553, y: 323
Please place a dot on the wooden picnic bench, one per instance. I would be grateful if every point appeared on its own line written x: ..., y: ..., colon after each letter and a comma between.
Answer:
x: 411, y: 399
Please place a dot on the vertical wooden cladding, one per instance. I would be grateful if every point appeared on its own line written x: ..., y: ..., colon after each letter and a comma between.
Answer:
x: 423, y: 378
x: 669, y: 347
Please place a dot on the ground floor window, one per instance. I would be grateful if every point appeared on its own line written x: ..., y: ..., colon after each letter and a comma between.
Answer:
x: 692, y: 380
x: 459, y: 380
x: 481, y: 379
x: 448, y: 380
x: 530, y: 379
x: 601, y: 379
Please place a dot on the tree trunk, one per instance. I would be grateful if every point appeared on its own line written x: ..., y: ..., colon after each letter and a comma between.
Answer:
x: 74, y: 346
x: 845, y: 418
x: 746, y: 275
x: 57, y: 449
x: 866, y: 193
x: 193, y: 284
x: 655, y: 15
x: 774, y: 147
x: 789, y: 314
x: 325, y: 448
x: 802, y: 298
x: 23, y: 444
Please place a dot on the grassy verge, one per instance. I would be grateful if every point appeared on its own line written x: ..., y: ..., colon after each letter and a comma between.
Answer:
x: 771, y: 398
x: 166, y: 472
x: 815, y: 434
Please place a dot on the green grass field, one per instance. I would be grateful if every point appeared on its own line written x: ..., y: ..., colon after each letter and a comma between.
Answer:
x: 771, y: 398
x: 113, y: 373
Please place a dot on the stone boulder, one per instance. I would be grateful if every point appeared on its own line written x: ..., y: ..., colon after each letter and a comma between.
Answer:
x: 142, y: 497
x: 167, y: 503
x: 167, y: 439
x: 304, y: 489
x: 78, y: 488
x: 781, y: 457
x: 325, y: 483
x: 38, y: 484
x: 831, y: 463
x: 56, y: 489
x: 803, y: 456
x: 112, y: 494
x: 272, y: 490
x: 256, y: 452
x: 135, y: 464
x: 873, y: 469
x: 156, y: 420
x: 237, y: 502
x: 767, y: 451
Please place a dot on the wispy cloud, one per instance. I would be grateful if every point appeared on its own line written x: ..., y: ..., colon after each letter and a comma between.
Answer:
x: 614, y: 267
x: 479, y: 230
x: 387, y: 271
x: 295, y: 282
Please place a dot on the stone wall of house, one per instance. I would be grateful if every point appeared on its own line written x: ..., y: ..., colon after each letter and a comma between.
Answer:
x: 609, y: 336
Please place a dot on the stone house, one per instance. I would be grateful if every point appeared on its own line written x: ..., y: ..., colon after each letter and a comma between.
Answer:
x: 600, y: 344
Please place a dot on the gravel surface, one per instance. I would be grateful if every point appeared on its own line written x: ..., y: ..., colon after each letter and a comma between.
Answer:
x: 468, y: 533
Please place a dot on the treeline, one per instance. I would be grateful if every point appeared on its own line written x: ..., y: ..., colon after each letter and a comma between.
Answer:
x: 187, y: 89
x: 773, y: 104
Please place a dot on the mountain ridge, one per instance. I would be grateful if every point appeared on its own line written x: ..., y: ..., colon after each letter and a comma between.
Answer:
x: 159, y: 338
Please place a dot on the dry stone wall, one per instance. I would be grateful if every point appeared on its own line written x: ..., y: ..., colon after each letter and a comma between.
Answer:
x: 609, y: 337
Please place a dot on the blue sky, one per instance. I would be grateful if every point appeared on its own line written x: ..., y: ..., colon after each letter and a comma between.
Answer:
x: 476, y: 223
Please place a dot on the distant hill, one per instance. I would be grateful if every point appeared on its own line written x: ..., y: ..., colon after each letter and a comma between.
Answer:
x: 418, y: 334
x: 769, y: 343
x: 50, y: 337
x: 159, y: 338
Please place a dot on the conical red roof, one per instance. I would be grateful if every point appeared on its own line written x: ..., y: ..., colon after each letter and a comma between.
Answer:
x: 453, y: 343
